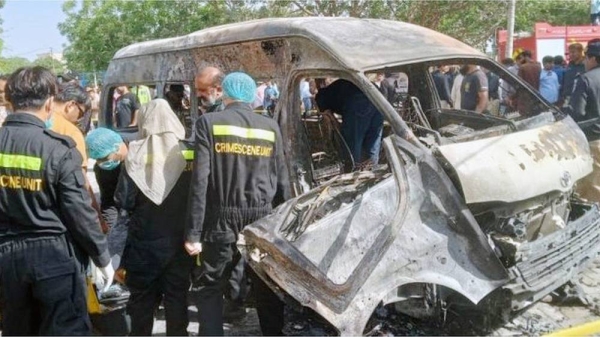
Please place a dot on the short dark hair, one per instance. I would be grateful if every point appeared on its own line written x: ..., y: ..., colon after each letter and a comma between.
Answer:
x: 30, y: 87
x: 559, y: 60
x: 176, y: 88
x: 548, y: 59
x: 73, y: 92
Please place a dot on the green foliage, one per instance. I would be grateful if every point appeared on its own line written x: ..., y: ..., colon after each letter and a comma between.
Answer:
x: 50, y: 63
x: 96, y: 29
x: 2, y: 3
x: 554, y: 12
x: 10, y: 64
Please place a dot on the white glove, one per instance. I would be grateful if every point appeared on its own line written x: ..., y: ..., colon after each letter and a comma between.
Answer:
x: 193, y: 248
x: 105, y: 280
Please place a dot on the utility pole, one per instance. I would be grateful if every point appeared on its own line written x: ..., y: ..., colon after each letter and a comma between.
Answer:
x: 511, y: 28
x: 52, y: 60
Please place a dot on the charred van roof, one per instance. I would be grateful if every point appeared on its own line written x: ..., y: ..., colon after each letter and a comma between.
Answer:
x: 350, y: 40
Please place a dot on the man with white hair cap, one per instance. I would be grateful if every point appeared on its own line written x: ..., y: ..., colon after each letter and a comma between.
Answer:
x: 239, y: 176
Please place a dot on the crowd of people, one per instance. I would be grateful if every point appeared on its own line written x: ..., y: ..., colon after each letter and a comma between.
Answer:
x: 185, y: 202
x: 573, y: 87
x: 474, y: 88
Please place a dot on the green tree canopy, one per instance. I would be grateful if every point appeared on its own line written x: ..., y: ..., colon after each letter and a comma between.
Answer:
x: 10, y: 64
x: 96, y: 29
x: 50, y: 63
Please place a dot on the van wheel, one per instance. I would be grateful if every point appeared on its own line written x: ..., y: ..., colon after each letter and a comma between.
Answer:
x: 491, y: 313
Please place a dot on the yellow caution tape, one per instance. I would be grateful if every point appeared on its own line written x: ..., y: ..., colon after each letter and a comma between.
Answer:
x: 586, y: 329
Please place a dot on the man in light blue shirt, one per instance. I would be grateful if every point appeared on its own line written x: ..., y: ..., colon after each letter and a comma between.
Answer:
x: 271, y: 95
x: 595, y: 12
x: 549, y: 85
x: 305, y: 95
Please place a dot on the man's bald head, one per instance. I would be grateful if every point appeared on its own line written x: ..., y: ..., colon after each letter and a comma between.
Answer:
x: 208, y: 85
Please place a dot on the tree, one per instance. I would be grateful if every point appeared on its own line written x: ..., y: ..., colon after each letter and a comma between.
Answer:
x: 555, y: 12
x: 10, y: 64
x: 99, y: 28
x: 2, y: 3
x: 50, y: 63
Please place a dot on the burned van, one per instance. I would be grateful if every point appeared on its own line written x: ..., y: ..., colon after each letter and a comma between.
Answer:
x: 468, y: 204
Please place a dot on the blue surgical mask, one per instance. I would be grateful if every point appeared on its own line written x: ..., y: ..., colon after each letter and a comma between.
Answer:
x: 48, y: 123
x: 109, y: 165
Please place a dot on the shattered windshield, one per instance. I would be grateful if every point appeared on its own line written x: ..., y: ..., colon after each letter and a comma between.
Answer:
x: 458, y: 100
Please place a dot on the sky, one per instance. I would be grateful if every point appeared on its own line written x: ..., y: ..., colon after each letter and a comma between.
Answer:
x: 31, y: 27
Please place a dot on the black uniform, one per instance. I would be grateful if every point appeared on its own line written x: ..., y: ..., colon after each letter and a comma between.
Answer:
x: 585, y: 102
x: 47, y: 228
x: 155, y: 260
x: 107, y: 183
x: 568, y: 85
x: 239, y: 176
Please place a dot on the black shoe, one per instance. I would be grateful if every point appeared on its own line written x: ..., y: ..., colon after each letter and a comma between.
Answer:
x: 233, y: 311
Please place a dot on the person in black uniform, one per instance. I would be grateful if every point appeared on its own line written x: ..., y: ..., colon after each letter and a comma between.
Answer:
x: 48, y: 227
x: 239, y: 175
x: 154, y: 189
x: 108, y: 148
x: 209, y: 90
x: 584, y: 106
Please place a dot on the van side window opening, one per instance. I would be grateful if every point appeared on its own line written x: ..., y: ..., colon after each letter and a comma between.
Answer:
x: 178, y: 97
x: 467, y: 81
x: 124, y: 102
x: 344, y: 127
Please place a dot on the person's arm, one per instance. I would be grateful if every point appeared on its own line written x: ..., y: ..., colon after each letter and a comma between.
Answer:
x: 135, y: 108
x: 95, y: 204
x: 283, y: 192
x: 482, y: 92
x: 198, y: 188
x: 75, y: 207
x: 447, y: 90
x: 578, y: 100
x: 125, y: 192
x: 482, y: 101
x: 134, y: 118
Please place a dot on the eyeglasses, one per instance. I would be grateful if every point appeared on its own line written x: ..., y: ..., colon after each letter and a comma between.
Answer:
x: 81, y: 111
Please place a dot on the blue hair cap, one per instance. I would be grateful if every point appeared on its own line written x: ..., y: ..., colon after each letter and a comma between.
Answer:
x: 101, y: 142
x: 239, y: 87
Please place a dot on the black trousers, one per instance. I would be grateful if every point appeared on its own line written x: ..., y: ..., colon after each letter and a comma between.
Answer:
x: 171, y: 286
x: 237, y: 288
x: 43, y: 288
x: 210, y: 282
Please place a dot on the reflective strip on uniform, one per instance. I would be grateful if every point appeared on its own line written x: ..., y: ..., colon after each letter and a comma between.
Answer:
x: 20, y: 162
x: 188, y: 154
x: 230, y: 130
